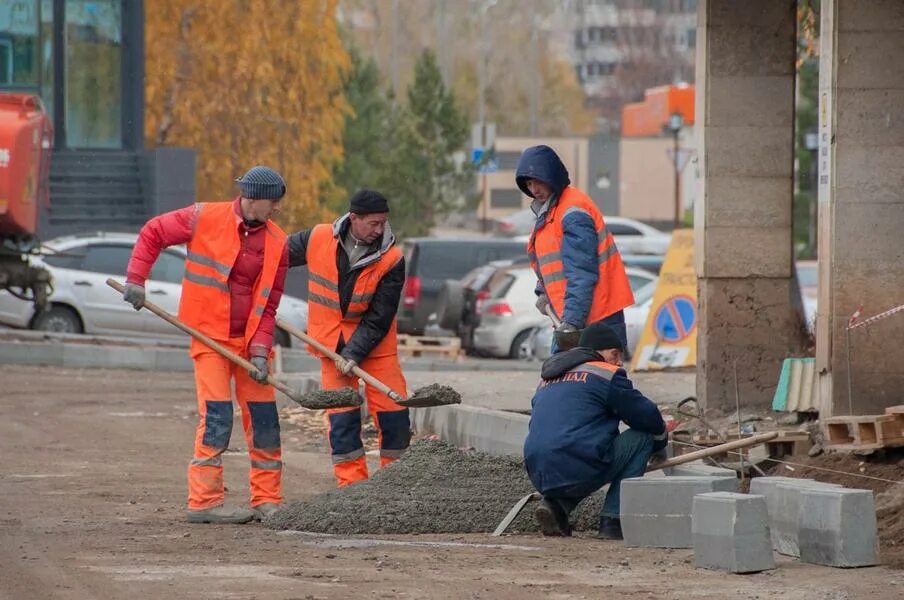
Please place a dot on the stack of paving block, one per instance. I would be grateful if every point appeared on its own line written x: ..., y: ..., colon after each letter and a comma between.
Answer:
x: 865, y: 433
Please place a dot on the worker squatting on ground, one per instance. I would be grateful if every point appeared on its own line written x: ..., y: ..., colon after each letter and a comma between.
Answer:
x: 234, y: 277
x: 579, y: 269
x: 573, y: 445
x: 356, y: 274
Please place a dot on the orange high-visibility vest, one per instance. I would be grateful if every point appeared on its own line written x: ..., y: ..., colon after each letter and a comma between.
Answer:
x: 325, y: 319
x: 612, y: 292
x: 205, y: 302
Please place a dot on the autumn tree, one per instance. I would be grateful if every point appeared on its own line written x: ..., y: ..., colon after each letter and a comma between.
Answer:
x: 248, y: 83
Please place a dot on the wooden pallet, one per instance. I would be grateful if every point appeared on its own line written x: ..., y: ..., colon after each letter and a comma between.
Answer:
x: 865, y: 432
x: 448, y: 347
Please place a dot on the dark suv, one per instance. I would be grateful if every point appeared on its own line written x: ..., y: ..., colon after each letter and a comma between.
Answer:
x: 431, y: 261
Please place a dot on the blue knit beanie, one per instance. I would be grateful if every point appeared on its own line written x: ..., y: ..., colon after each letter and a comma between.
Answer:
x: 262, y: 183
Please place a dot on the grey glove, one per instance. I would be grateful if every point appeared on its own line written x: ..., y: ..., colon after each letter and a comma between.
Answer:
x: 134, y: 295
x: 542, y: 303
x: 567, y: 336
x: 261, y: 370
x: 345, y: 365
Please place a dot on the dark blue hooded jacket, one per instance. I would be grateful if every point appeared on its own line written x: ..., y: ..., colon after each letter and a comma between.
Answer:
x: 574, y: 420
x: 580, y: 244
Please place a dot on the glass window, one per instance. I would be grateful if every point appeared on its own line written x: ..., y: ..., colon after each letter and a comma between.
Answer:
x: 502, y: 287
x: 93, y: 79
x: 638, y: 281
x: 445, y: 260
x: 66, y: 259
x: 19, y: 53
x: 107, y: 258
x: 170, y: 267
x: 619, y: 229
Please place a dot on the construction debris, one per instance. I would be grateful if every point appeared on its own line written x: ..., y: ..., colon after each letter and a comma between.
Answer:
x: 432, y: 395
x: 866, y: 432
x: 433, y: 488
x: 323, y: 399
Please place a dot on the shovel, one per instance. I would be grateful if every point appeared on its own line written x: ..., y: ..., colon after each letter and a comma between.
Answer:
x: 755, y: 440
x: 226, y: 352
x: 431, y: 395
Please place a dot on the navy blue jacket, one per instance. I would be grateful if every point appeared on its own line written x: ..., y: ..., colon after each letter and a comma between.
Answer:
x: 574, y: 420
x: 580, y: 244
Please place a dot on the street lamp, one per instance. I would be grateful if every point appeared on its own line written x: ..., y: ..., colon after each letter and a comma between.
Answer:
x: 676, y: 121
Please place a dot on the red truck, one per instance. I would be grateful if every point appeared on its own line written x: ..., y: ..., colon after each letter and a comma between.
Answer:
x: 26, y: 140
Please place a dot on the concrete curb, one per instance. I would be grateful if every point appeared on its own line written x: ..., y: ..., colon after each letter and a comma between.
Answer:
x: 492, y: 431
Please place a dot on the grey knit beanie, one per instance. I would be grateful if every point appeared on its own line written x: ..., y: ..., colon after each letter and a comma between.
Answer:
x: 262, y: 183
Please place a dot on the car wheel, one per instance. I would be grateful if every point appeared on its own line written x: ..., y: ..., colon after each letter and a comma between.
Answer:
x: 282, y: 338
x: 521, y: 346
x: 60, y: 319
x: 450, y: 305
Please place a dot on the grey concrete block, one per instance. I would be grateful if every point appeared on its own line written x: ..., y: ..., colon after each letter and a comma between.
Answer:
x: 838, y: 527
x: 782, y: 496
x: 172, y: 360
x: 108, y: 357
x: 699, y: 468
x: 25, y: 353
x: 657, y: 512
x: 731, y: 532
x: 493, y: 431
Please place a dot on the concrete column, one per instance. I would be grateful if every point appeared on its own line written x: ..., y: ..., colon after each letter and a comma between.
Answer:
x: 745, y: 111
x: 861, y: 217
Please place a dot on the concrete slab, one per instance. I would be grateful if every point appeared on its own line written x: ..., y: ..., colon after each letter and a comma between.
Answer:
x: 657, y: 512
x: 838, y: 527
x: 782, y: 496
x: 28, y: 353
x: 493, y: 431
x: 699, y: 468
x: 172, y: 360
x: 731, y: 532
x: 77, y: 356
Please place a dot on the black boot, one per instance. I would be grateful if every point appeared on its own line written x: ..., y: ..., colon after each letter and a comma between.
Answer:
x: 610, y: 529
x: 552, y: 518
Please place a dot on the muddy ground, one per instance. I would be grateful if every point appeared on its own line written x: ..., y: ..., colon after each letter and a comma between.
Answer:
x: 92, y: 486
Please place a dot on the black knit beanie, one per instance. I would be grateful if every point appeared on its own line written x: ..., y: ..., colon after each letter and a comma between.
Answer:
x: 368, y: 202
x: 600, y: 336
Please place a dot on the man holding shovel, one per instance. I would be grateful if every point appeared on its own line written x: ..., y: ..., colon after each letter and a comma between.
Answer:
x: 234, y: 277
x: 573, y: 445
x: 356, y: 274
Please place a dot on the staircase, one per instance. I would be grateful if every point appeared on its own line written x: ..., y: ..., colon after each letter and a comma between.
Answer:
x: 95, y: 190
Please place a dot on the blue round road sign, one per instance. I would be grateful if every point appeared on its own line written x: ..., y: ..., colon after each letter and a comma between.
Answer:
x: 675, y: 319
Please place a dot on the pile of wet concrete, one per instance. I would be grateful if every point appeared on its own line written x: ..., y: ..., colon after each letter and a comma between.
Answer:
x: 433, y: 488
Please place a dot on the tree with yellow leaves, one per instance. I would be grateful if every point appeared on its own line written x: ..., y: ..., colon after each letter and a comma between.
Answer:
x: 245, y: 83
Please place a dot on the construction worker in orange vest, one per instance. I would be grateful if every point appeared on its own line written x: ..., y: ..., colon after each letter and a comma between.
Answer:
x: 356, y: 274
x: 579, y: 270
x: 235, y: 272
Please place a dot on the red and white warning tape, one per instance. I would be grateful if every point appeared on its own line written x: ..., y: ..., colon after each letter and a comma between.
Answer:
x: 854, y: 323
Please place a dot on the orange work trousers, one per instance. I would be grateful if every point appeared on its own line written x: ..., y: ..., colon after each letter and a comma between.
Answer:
x: 213, y: 378
x: 390, y: 419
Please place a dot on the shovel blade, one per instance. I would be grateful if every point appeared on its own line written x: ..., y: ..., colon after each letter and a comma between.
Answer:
x: 516, y: 510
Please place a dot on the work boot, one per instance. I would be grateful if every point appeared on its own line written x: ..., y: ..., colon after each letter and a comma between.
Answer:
x: 610, y: 529
x: 552, y: 518
x: 262, y: 511
x: 221, y: 514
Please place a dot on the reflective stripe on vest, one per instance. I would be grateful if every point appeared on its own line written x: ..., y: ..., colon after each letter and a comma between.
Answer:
x: 612, y: 292
x: 215, y: 244
x: 325, y: 319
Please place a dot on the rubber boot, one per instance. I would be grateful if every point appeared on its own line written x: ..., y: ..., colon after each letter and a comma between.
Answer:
x: 262, y: 511
x: 552, y: 518
x: 221, y: 514
x: 610, y: 529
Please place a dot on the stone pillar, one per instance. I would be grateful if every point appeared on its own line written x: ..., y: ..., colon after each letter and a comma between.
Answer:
x: 861, y: 204
x: 748, y: 301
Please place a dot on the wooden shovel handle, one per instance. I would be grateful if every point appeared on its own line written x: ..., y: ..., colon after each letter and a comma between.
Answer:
x: 367, y: 377
x: 552, y: 315
x: 212, y: 344
x: 753, y: 440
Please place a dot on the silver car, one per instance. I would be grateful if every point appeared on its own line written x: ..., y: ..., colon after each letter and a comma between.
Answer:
x: 82, y: 302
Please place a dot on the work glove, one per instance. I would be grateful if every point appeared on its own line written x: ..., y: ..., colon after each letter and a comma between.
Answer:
x: 345, y: 365
x: 542, y: 303
x: 261, y: 370
x: 134, y: 295
x: 567, y: 336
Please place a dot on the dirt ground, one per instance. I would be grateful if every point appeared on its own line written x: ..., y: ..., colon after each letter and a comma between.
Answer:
x: 92, y: 487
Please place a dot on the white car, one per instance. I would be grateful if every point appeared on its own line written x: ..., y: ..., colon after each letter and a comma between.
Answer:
x: 82, y: 302
x: 509, y: 320
x: 632, y: 236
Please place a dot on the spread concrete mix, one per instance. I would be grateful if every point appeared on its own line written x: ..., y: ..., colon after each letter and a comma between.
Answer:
x: 433, y: 488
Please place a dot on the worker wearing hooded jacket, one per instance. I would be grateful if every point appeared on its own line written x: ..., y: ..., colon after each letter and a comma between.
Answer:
x: 573, y: 445
x: 235, y: 271
x: 579, y: 269
x: 356, y: 274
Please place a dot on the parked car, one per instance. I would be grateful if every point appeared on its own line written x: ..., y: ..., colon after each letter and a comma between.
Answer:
x: 509, y: 318
x: 430, y: 262
x: 808, y: 280
x: 518, y: 223
x: 631, y: 236
x: 82, y: 302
